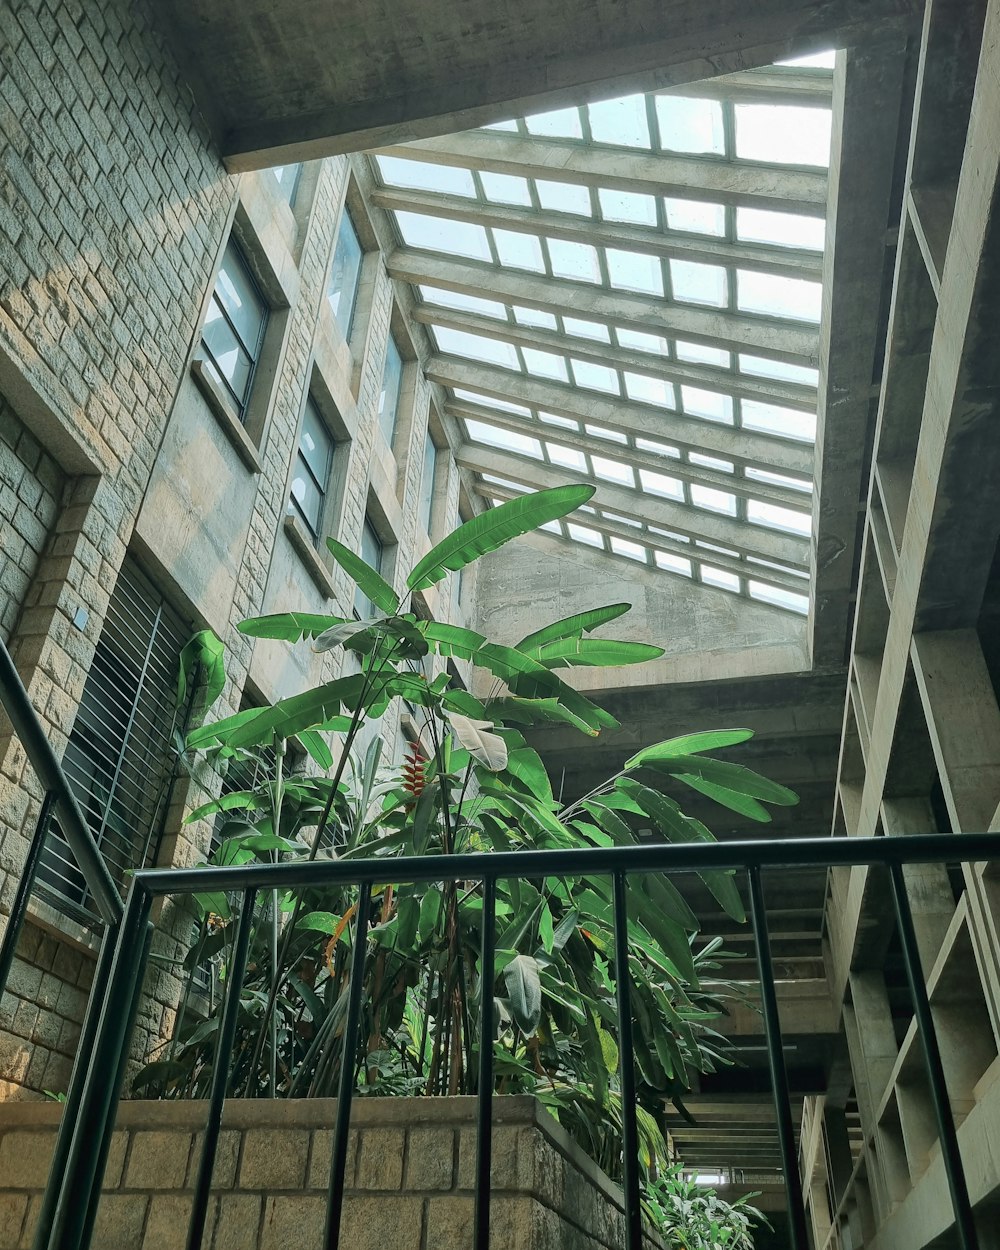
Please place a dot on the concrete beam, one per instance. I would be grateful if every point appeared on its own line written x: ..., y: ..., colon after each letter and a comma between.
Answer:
x: 697, y: 523
x: 300, y: 80
x: 807, y: 87
x: 795, y: 342
x: 789, y: 395
x: 686, y: 177
x: 788, y: 262
x: 742, y: 446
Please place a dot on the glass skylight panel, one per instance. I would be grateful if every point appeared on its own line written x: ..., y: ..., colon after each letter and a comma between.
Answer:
x: 488, y: 401
x: 708, y: 404
x: 699, y: 284
x: 773, y: 419
x: 610, y: 436
x: 780, y: 598
x: 534, y: 317
x: 584, y: 534
x: 815, y: 60
x: 552, y: 527
x: 595, y: 377
x: 675, y: 564
x: 457, y: 238
x: 505, y: 188
x: 506, y: 440
x: 658, y: 449
x: 690, y: 125
x: 776, y: 296
x: 545, y: 364
x: 697, y: 353
x: 719, y: 577
x: 613, y: 471
x: 761, y: 367
x: 638, y: 340
x: 577, y: 261
x: 462, y: 302
x: 508, y: 125
x: 712, y: 499
x: 695, y: 216
x: 621, y: 520
x: 778, y: 479
x: 587, y: 329
x: 563, y: 197
x: 426, y: 176
x: 761, y: 225
x: 710, y: 462
x: 557, y: 124
x: 552, y: 418
x: 783, y: 134
x: 646, y: 390
x: 628, y: 206
x: 622, y: 547
x: 520, y: 251
x: 567, y: 457
x: 677, y: 538
x: 660, y: 484
x: 635, y: 271
x: 622, y: 122
x: 719, y: 551
x: 775, y: 517
x: 476, y: 347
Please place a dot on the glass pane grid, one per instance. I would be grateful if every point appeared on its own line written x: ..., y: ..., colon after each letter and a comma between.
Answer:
x: 699, y: 295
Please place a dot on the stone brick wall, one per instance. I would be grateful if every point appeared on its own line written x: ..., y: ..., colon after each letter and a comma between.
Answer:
x: 410, y: 1177
x: 31, y: 487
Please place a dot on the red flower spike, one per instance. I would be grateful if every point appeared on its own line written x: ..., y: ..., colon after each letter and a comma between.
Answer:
x: 412, y: 770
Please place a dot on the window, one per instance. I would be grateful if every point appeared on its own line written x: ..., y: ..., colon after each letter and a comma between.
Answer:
x: 427, y: 482
x: 392, y: 387
x: 287, y: 177
x: 372, y: 553
x: 234, y: 329
x: 311, y: 478
x: 345, y: 275
x: 118, y: 758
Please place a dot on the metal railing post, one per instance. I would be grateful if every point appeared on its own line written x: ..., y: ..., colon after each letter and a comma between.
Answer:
x: 348, y: 1058
x: 484, y: 1091
x: 19, y: 907
x: 776, y: 1063
x: 951, y: 1155
x: 626, y: 1051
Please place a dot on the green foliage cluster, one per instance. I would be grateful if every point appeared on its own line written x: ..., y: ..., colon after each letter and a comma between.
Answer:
x: 689, y: 1216
x: 476, y: 786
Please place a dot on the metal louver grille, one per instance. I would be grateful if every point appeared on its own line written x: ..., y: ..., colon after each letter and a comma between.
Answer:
x: 118, y: 757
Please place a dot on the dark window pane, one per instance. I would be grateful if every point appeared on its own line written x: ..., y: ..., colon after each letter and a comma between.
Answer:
x: 392, y: 384
x: 371, y: 553
x: 240, y: 299
x: 427, y: 483
x: 307, y: 498
x: 232, y: 364
x: 316, y: 444
x: 346, y: 272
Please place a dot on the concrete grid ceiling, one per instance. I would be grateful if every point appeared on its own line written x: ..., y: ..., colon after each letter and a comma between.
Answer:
x: 628, y: 293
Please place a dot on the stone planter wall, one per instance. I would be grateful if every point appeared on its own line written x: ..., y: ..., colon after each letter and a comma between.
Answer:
x: 410, y: 1175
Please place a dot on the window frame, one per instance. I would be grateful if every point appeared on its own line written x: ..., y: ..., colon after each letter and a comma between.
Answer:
x: 347, y: 330
x: 242, y: 406
x: 295, y: 508
x: 360, y: 598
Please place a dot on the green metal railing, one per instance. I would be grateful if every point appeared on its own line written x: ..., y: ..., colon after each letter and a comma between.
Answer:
x: 74, y: 1187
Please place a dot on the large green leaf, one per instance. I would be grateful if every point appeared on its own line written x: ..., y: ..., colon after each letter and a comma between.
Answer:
x: 479, y: 740
x: 743, y: 804
x: 219, y: 732
x: 690, y: 744
x: 524, y: 992
x: 728, y: 775
x: 289, y: 717
x: 491, y: 529
x: 595, y: 653
x: 288, y: 626
x: 572, y: 626
x: 370, y: 582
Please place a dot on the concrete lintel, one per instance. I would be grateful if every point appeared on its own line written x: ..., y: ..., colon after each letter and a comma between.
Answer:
x: 794, y: 342
x: 788, y: 262
x: 789, y: 189
x: 752, y: 539
x: 708, y: 437
x: 301, y: 80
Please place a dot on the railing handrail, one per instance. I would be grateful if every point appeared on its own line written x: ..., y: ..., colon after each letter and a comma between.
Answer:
x: 31, y: 733
x: 824, y: 852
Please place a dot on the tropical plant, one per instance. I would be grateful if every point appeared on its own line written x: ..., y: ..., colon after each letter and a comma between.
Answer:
x: 690, y: 1216
x: 471, y: 783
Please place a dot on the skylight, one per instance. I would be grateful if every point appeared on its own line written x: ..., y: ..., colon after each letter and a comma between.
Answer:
x: 616, y: 292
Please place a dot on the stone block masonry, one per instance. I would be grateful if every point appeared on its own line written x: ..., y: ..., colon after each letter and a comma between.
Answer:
x: 410, y: 1177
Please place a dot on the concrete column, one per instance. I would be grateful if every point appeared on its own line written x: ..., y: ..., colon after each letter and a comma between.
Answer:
x: 928, y: 889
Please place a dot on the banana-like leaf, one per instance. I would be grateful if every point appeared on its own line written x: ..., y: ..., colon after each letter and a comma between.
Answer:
x: 491, y: 529
x: 344, y: 632
x: 730, y: 776
x: 572, y: 627
x: 690, y: 744
x: 524, y: 992
x: 488, y: 748
x: 743, y: 804
x: 370, y: 582
x: 595, y: 653
x: 288, y: 626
